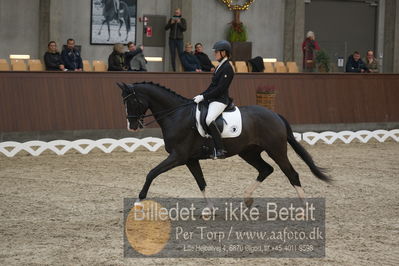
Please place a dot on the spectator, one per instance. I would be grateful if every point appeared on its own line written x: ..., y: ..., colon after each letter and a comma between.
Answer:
x: 52, y: 58
x: 371, y: 62
x: 355, y: 64
x: 116, y: 60
x: 177, y: 26
x: 71, y: 57
x: 309, y: 46
x: 189, y: 60
x: 138, y: 62
x: 131, y: 53
x: 205, y: 62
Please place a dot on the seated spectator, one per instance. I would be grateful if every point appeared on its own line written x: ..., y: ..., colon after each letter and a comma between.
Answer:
x: 138, y: 62
x: 132, y: 51
x: 116, y: 60
x: 134, y: 58
x: 71, y: 57
x: 205, y: 62
x: 355, y: 64
x: 52, y: 58
x: 371, y: 62
x: 189, y: 60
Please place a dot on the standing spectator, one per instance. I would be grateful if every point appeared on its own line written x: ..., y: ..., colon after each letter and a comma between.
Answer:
x: 116, y: 60
x: 71, y: 57
x: 177, y: 26
x: 371, y: 62
x: 205, y: 62
x: 189, y: 60
x: 355, y: 64
x: 309, y: 46
x: 52, y: 58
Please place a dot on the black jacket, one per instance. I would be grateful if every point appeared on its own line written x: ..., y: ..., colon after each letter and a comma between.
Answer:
x: 257, y: 64
x: 176, y: 29
x: 206, y: 64
x: 355, y: 66
x: 72, y: 59
x: 116, y: 61
x: 53, y: 61
x: 219, y: 88
x: 190, y: 62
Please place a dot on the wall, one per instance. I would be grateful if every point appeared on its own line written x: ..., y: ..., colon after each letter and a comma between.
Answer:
x: 264, y: 21
x: 19, y: 27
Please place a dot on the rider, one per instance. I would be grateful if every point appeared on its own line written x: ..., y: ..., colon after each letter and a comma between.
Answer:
x: 117, y: 5
x: 218, y: 93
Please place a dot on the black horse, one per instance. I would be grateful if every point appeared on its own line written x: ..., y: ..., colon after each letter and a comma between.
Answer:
x: 262, y: 130
x: 110, y: 14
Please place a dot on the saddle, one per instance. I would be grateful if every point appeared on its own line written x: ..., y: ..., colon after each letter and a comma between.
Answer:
x: 220, y: 122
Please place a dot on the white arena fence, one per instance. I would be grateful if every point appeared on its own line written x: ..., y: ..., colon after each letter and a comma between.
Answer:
x: 84, y: 146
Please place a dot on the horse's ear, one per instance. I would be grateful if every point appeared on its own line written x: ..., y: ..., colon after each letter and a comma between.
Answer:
x: 125, y: 86
x: 120, y: 85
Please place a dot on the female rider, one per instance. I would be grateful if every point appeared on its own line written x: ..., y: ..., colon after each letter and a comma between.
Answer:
x: 217, y: 93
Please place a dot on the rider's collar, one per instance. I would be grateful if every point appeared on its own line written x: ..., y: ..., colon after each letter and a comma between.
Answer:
x: 221, y: 63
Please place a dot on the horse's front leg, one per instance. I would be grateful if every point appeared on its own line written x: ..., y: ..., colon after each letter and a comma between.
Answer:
x: 195, y: 169
x: 102, y: 24
x: 120, y: 26
x: 109, y: 31
x: 169, y: 163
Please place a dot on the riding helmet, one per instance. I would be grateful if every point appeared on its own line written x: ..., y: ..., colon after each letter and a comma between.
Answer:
x: 222, y: 46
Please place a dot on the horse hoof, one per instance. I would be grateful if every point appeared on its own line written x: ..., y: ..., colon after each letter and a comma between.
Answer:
x: 248, y: 202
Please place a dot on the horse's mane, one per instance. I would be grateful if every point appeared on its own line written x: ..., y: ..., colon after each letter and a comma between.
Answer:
x: 170, y: 91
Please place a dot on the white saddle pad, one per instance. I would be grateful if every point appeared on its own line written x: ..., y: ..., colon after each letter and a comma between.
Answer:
x: 232, y: 124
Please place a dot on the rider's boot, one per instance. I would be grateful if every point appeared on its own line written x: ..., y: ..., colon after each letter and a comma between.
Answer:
x: 219, y: 153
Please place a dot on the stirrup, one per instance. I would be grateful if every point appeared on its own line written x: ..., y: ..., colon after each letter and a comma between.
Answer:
x: 218, y: 154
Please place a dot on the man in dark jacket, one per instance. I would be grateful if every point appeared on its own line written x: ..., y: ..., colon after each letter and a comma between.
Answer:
x: 132, y: 52
x: 189, y: 60
x: 177, y: 26
x: 355, y: 64
x: 71, y: 57
x: 205, y: 62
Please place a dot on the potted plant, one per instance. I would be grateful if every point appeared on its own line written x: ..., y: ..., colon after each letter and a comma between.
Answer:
x: 322, y: 61
x: 266, y: 96
x: 237, y: 34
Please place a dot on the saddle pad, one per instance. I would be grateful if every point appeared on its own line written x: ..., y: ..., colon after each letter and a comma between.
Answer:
x: 232, y: 124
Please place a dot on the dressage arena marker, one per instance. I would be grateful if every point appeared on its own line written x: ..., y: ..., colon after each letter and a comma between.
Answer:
x: 84, y: 146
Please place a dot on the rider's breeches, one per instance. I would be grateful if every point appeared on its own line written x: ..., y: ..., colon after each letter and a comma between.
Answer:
x: 214, y: 110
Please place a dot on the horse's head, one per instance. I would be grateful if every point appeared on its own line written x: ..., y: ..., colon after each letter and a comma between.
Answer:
x: 136, y: 107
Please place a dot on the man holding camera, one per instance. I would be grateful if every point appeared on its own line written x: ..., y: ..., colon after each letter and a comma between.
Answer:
x: 177, y: 26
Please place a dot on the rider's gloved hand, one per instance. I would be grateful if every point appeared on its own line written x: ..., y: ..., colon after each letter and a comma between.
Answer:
x: 198, y: 98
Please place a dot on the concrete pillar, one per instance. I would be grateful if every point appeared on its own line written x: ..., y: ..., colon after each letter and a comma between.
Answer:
x: 44, y: 26
x: 389, y: 35
x: 294, y: 30
x: 396, y: 42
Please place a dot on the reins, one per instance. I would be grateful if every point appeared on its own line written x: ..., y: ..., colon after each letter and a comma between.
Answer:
x: 164, y: 112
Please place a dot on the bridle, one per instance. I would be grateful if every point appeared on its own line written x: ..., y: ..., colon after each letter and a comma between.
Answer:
x: 140, y: 118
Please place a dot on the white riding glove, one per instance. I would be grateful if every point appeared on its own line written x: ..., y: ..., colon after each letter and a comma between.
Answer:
x: 198, y: 98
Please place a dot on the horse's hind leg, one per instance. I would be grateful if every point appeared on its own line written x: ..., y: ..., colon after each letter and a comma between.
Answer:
x: 254, y: 158
x: 285, y: 165
x: 196, y: 171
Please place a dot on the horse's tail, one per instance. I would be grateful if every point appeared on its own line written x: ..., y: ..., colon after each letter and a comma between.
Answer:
x: 305, y: 156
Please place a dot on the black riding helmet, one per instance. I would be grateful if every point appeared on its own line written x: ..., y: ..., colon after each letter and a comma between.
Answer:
x: 222, y: 46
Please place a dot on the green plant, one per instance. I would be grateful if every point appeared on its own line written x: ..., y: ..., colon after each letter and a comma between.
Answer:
x: 323, y: 61
x: 237, y: 33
